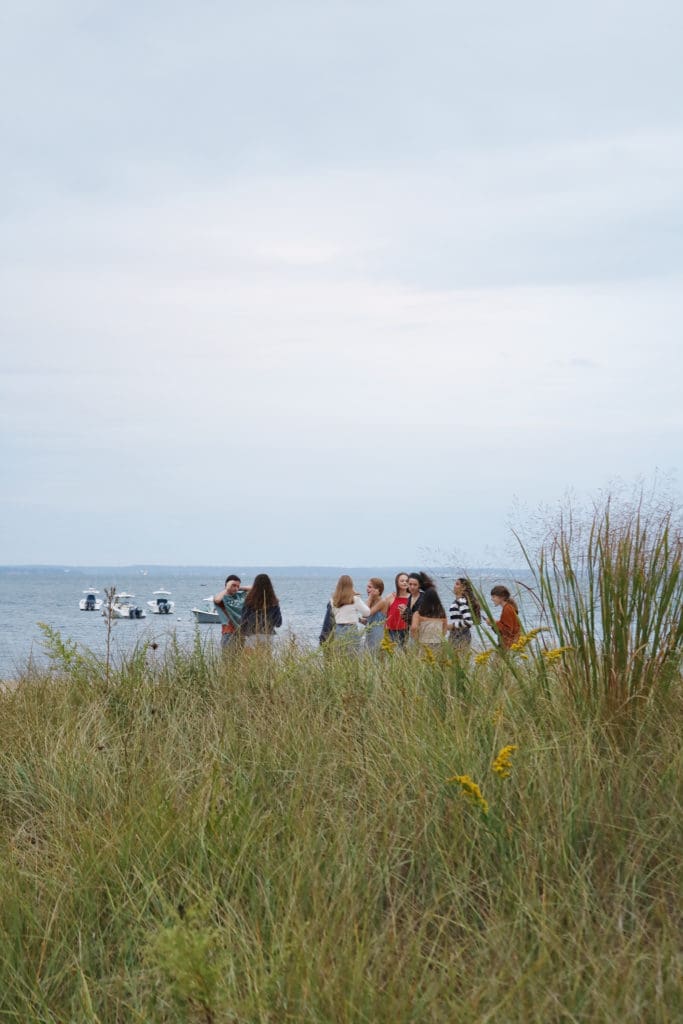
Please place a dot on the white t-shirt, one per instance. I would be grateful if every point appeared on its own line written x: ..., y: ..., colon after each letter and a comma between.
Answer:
x: 349, y: 614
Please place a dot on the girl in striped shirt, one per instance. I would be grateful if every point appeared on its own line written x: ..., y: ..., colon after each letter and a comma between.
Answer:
x: 464, y: 613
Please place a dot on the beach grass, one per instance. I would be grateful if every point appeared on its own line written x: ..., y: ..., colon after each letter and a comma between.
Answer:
x: 406, y: 837
x: 249, y: 839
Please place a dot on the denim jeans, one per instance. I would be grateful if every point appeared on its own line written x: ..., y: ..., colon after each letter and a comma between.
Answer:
x: 398, y: 636
x: 347, y: 638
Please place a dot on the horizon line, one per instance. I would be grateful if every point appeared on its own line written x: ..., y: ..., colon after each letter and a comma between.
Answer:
x: 242, y: 565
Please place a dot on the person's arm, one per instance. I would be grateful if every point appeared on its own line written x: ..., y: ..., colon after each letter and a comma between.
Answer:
x: 360, y: 604
x: 276, y: 614
x: 219, y: 598
x: 380, y: 605
x: 444, y: 627
x: 415, y: 624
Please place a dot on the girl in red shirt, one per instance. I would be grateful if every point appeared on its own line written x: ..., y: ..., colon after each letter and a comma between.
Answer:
x: 396, y: 624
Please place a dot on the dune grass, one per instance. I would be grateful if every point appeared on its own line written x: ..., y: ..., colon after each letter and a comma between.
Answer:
x: 609, y: 584
x: 189, y: 838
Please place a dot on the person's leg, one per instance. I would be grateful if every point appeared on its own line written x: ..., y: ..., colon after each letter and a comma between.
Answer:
x: 398, y: 636
x: 347, y: 639
x: 229, y: 641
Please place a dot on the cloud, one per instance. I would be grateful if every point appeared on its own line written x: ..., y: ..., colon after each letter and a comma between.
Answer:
x: 583, y: 364
x: 259, y: 252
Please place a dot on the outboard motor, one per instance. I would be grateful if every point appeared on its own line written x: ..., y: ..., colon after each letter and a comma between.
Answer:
x: 90, y: 603
x: 137, y: 612
x: 163, y: 606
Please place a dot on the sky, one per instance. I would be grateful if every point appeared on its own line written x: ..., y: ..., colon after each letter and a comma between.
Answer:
x: 332, y: 282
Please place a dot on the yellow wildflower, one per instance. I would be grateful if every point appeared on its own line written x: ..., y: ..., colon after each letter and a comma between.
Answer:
x: 428, y: 656
x: 483, y: 657
x: 387, y: 645
x: 470, y: 790
x: 501, y: 764
x: 526, y: 638
x: 520, y: 644
x: 556, y: 653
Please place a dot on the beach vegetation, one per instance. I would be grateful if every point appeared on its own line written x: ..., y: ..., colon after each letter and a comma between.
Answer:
x: 609, y: 585
x: 249, y: 838
x: 315, y: 836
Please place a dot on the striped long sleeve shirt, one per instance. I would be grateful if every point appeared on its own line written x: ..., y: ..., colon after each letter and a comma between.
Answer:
x: 460, y: 615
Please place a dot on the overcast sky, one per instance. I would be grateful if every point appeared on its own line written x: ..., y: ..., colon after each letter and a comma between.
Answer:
x: 332, y: 282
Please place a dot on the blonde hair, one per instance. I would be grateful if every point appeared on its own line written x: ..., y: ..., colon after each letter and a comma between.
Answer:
x: 344, y: 592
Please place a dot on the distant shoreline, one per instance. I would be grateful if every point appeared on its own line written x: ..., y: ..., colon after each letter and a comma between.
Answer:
x: 295, y: 570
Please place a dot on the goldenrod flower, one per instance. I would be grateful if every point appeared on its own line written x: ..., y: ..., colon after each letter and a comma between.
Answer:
x: 501, y: 765
x: 520, y: 644
x: 483, y: 657
x: 387, y: 645
x: 428, y: 655
x: 526, y: 638
x: 470, y: 790
x: 556, y: 653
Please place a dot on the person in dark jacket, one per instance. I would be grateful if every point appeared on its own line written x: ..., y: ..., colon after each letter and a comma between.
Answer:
x: 328, y: 624
x: 261, y: 614
x: 418, y: 582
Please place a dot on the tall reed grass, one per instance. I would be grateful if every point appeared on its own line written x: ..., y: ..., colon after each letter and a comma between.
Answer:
x: 188, y: 838
x: 610, y: 584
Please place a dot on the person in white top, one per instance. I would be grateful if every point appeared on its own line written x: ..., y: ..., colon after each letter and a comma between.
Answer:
x: 347, y: 607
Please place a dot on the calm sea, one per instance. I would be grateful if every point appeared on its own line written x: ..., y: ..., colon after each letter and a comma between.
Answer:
x: 51, y: 595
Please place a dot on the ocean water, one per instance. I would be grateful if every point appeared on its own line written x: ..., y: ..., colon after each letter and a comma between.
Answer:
x: 30, y: 595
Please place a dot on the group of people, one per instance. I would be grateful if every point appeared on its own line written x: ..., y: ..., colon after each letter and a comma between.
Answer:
x: 413, y: 612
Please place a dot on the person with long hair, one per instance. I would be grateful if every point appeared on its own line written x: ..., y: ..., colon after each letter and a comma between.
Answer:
x: 261, y: 614
x: 397, y: 627
x: 375, y: 621
x: 464, y: 613
x: 418, y: 582
x: 346, y: 610
x: 428, y: 624
x: 508, y: 625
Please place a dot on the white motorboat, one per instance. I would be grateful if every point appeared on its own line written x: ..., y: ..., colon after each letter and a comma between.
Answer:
x: 206, y: 615
x: 124, y: 607
x: 161, y: 604
x: 91, y: 602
